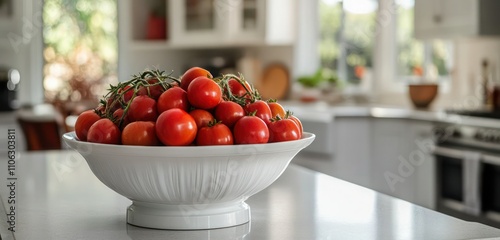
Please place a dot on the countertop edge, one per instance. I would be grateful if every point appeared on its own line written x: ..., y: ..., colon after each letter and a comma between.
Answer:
x: 320, y: 111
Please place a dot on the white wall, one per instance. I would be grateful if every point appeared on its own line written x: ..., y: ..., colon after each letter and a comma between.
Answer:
x: 469, y: 54
x: 306, y: 56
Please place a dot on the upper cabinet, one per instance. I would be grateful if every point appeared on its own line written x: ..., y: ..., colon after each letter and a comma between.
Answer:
x: 212, y: 23
x: 215, y: 21
x: 456, y: 18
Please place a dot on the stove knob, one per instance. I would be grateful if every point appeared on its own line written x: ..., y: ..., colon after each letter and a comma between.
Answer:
x: 479, y: 135
x: 439, y: 133
x: 496, y: 137
x: 489, y: 136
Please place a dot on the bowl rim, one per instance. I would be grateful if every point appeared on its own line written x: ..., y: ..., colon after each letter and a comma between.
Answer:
x: 86, y: 148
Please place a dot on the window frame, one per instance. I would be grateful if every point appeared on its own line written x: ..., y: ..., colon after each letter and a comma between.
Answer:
x: 402, y: 80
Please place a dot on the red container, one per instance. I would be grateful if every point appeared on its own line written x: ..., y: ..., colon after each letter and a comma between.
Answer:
x: 156, y: 28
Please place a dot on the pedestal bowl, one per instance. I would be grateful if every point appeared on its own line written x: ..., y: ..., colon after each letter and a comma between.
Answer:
x: 191, y: 187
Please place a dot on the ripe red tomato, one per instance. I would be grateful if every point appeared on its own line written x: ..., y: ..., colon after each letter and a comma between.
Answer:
x: 152, y: 91
x: 262, y: 110
x: 250, y: 130
x: 283, y: 130
x: 142, y: 108
x: 104, y: 131
x: 201, y: 117
x: 84, y: 122
x: 117, y: 117
x: 299, y: 124
x: 218, y: 134
x: 191, y: 74
x: 276, y: 109
x: 238, y: 89
x: 229, y: 113
x: 204, y: 93
x: 140, y: 133
x: 174, y: 97
x: 175, y: 127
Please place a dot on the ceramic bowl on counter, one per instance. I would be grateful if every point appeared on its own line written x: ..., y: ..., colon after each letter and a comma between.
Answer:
x: 422, y: 95
x: 190, y: 187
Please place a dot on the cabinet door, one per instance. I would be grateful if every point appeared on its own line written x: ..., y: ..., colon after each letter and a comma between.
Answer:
x: 352, y: 150
x: 248, y: 21
x: 321, y: 125
x: 421, y: 140
x: 402, y: 165
x: 390, y: 144
x: 198, y: 21
x: 446, y: 18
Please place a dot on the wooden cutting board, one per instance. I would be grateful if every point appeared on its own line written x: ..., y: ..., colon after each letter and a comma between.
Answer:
x: 275, y: 82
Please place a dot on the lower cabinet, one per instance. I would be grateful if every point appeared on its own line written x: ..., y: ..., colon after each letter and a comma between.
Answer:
x: 351, y: 158
x: 391, y: 156
x: 401, y: 160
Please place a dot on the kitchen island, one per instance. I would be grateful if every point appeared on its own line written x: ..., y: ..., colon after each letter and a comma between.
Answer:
x: 58, y: 197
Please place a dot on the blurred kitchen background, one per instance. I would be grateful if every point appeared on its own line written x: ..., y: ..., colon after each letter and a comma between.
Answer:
x: 70, y: 50
x: 368, y: 77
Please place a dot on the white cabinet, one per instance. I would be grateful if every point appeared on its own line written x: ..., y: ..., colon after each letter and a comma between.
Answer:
x: 210, y: 23
x: 401, y: 161
x: 389, y: 155
x: 203, y: 22
x: 456, y: 18
x: 341, y: 148
x: 352, y: 150
x: 321, y: 124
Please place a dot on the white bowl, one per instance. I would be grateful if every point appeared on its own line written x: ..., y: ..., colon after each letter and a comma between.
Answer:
x: 192, y: 187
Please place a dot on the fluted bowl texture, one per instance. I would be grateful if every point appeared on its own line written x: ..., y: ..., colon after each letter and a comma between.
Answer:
x: 191, y: 174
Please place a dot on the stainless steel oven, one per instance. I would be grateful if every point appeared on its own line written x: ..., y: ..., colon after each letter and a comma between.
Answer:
x: 468, y: 172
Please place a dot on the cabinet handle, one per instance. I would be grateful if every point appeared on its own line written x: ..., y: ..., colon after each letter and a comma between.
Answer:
x: 495, y: 160
x: 459, y: 155
x: 449, y: 152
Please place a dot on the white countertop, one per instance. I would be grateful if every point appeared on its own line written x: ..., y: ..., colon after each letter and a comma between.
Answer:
x: 58, y: 197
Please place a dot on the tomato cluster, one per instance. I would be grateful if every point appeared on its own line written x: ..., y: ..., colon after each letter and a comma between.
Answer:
x: 154, y: 108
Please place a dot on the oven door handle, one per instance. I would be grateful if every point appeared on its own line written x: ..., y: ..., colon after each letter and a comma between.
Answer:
x: 449, y: 152
x: 459, y: 155
x: 490, y: 159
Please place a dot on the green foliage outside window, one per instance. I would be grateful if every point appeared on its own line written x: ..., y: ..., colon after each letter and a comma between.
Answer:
x: 80, y: 48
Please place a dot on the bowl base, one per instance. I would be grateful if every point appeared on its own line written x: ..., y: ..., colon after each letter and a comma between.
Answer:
x: 188, y: 217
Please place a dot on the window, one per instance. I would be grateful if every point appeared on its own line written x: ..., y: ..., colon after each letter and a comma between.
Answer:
x: 347, y: 37
x: 415, y: 58
x: 348, y: 34
x: 80, y: 49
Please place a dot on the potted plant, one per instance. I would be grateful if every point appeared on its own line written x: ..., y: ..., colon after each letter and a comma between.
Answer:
x: 316, y: 86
